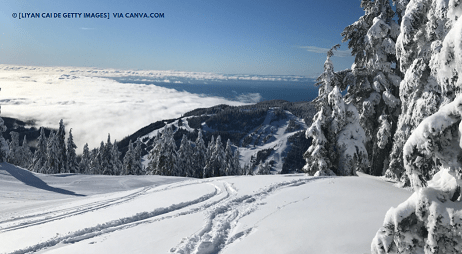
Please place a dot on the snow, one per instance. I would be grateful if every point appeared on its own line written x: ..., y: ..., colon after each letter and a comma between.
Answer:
x: 70, y: 213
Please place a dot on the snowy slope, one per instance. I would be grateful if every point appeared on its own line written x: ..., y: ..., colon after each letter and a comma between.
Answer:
x: 262, y: 134
x: 154, y: 214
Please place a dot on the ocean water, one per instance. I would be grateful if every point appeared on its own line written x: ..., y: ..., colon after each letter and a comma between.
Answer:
x: 238, y: 90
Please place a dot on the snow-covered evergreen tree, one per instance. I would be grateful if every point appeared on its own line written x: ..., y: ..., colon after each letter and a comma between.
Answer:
x: 61, y: 152
x: 374, y: 80
x: 424, y: 26
x: 128, y: 160
x: 215, y: 165
x: 163, y: 158
x: 430, y: 220
x: 40, y: 154
x: 106, y: 159
x: 116, y: 163
x: 199, y: 156
x: 350, y: 144
x: 4, y: 148
x: 14, y: 156
x: 229, y: 159
x: 84, y: 165
x: 94, y: 162
x: 52, y: 152
x: 137, y: 167
x: 321, y: 154
x: 72, y: 165
x: 185, y: 158
x: 208, y: 170
x: 264, y: 168
x: 26, y: 154
x: 236, y: 164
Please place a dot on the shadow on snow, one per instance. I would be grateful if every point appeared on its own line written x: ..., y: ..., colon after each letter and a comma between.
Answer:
x: 32, y: 180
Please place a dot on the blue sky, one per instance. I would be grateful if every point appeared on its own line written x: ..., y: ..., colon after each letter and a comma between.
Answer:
x: 231, y: 37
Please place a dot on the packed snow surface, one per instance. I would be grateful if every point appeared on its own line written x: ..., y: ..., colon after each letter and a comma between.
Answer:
x: 71, y: 213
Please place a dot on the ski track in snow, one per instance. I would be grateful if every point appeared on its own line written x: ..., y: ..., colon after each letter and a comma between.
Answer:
x: 224, y: 216
x: 223, y: 207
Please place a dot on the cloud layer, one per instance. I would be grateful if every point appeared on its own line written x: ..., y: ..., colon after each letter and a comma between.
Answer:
x: 93, y: 105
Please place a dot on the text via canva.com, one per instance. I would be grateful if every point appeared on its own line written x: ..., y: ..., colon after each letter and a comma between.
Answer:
x: 88, y: 15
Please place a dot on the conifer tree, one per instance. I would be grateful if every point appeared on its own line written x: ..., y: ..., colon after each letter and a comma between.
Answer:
x: 4, y: 148
x: 26, y: 154
x: 215, y: 165
x: 208, y: 170
x: 375, y: 77
x: 163, y: 158
x: 94, y: 163
x: 128, y: 160
x: 72, y: 166
x: 236, y: 163
x: 199, y: 156
x: 264, y: 168
x: 230, y: 168
x: 185, y: 158
x: 424, y: 26
x: 137, y: 167
x: 52, y: 159
x: 321, y: 156
x: 154, y: 155
x: 106, y: 157
x: 84, y: 164
x: 61, y: 150
x: 116, y: 163
x: 14, y: 156
x: 40, y: 154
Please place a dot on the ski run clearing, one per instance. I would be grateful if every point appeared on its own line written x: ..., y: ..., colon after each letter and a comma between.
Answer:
x: 71, y: 213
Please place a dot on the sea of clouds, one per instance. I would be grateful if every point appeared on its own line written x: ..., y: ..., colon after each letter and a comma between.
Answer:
x: 93, y: 104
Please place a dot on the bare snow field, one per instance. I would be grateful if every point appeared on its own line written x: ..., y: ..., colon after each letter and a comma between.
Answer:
x: 71, y: 213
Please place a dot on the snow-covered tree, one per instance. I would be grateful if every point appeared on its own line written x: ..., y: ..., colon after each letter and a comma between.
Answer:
x: 14, y: 156
x: 4, y: 148
x: 215, y: 165
x: 94, y: 162
x: 128, y: 160
x: 61, y: 151
x: 84, y: 165
x: 430, y: 221
x: 237, y: 165
x: 320, y: 155
x: 424, y: 26
x: 72, y: 165
x: 185, y: 156
x: 116, y: 163
x: 350, y: 144
x: 106, y: 158
x: 163, y: 155
x: 374, y: 80
x: 338, y: 140
x: 137, y: 167
x: 229, y: 159
x: 264, y: 168
x: 39, y: 159
x: 52, y: 153
x: 26, y: 154
x: 208, y: 170
x: 199, y: 158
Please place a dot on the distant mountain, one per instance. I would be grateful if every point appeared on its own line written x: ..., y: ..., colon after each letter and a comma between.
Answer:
x: 269, y: 131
